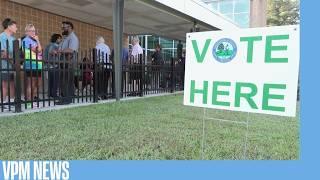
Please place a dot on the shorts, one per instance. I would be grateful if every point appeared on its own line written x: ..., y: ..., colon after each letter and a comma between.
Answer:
x: 6, y: 77
x: 4, y: 65
x: 33, y: 74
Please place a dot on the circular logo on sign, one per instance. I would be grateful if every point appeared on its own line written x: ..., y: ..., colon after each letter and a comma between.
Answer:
x: 224, y: 50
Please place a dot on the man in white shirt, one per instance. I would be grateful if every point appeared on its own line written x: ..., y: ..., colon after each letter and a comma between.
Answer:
x: 136, y: 48
x: 103, y: 50
x: 135, y: 77
x: 104, y: 72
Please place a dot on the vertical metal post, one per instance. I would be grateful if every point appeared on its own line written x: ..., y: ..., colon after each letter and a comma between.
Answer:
x: 173, y: 84
x: 203, y: 134
x: 246, y: 140
x: 145, y: 49
x: 16, y: 57
x: 118, y: 6
x: 141, y: 83
x: 95, y: 75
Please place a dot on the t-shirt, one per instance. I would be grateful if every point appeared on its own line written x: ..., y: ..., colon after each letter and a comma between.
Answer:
x: 136, y: 51
x: 157, y: 57
x: 71, y: 41
x: 3, y: 40
x: 27, y: 43
x: 125, y: 55
x: 48, y: 50
x: 50, y: 57
x: 103, y: 51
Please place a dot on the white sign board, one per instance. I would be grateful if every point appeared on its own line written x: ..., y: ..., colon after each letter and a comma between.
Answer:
x: 251, y: 70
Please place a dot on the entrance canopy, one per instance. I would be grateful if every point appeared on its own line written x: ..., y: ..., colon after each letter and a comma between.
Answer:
x: 160, y: 17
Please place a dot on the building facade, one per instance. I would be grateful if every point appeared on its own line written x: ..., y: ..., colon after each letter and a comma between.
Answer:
x: 47, y: 23
x: 245, y: 13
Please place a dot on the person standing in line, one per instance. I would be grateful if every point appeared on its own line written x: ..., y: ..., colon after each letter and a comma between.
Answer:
x: 51, y: 54
x: 135, y: 77
x: 6, y: 43
x: 69, y: 52
x: 105, y: 70
x: 157, y: 61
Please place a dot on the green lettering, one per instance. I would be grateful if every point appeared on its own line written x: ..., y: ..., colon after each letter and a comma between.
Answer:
x: 216, y: 92
x: 267, y: 96
x: 200, y: 57
x: 203, y: 91
x: 250, y: 41
x: 270, y: 48
x: 247, y: 96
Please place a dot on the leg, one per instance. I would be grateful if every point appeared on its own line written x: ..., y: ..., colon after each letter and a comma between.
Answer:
x: 5, y: 89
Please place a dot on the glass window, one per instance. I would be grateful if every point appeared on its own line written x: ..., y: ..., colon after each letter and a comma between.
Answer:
x: 175, y: 43
x: 230, y: 16
x: 165, y: 43
x: 226, y: 7
x: 242, y: 19
x: 241, y: 6
x: 152, y: 41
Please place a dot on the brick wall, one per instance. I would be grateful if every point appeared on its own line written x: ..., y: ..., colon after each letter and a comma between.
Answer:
x: 47, y: 23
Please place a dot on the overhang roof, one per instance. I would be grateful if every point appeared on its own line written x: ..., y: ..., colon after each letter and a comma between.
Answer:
x: 140, y: 16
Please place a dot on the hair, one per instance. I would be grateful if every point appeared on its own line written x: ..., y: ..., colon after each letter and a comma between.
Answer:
x: 158, y: 46
x: 7, y: 22
x: 100, y: 39
x: 55, y: 37
x: 28, y: 26
x: 68, y: 23
x: 135, y: 39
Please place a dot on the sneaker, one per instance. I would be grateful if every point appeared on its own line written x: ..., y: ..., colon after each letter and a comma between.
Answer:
x: 29, y: 106
x: 35, y: 104
x: 7, y: 105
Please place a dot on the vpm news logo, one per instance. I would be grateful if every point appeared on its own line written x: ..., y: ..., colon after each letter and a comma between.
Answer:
x: 34, y: 170
x: 224, y: 50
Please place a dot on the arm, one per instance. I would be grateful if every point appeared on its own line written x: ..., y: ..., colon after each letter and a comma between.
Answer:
x: 38, y: 48
x: 73, y: 45
x: 3, y: 49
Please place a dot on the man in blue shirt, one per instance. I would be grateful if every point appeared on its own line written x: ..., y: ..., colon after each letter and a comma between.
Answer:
x: 6, y: 43
x: 69, y: 50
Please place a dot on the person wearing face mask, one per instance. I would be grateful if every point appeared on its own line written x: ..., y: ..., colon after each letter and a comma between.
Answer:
x: 69, y: 50
x: 6, y: 46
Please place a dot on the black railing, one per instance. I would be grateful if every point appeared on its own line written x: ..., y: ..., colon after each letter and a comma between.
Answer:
x: 29, y: 81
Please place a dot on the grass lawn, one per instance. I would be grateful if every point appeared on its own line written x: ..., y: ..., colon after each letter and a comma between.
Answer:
x: 151, y: 128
